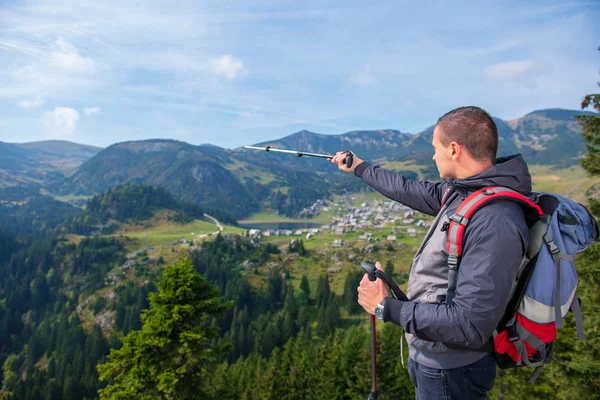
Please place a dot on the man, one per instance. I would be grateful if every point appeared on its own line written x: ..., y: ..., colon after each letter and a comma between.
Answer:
x: 449, y: 346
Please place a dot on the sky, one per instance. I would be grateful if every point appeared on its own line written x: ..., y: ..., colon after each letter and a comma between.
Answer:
x: 231, y: 73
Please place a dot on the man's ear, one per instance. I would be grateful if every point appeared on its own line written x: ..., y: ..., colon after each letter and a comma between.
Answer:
x: 454, y: 150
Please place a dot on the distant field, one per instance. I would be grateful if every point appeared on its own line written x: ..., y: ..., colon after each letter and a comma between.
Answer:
x: 401, y: 165
x: 72, y: 199
x: 571, y: 182
x: 163, y: 235
x: 243, y: 170
x: 264, y: 216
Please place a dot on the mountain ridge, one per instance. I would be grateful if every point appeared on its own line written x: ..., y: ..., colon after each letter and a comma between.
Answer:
x: 244, y: 181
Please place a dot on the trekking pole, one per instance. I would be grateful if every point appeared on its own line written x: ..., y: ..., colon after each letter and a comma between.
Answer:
x: 373, y: 395
x: 370, y: 269
x: 398, y: 294
x: 348, y: 161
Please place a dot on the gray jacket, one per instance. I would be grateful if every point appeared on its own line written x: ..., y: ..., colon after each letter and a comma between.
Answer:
x: 494, y: 245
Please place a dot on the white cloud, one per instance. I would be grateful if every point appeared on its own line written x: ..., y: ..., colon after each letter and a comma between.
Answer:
x: 62, y: 118
x: 363, y: 77
x: 185, y: 55
x: 91, y: 111
x: 511, y: 70
x: 67, y: 57
x: 229, y: 66
x: 34, y: 103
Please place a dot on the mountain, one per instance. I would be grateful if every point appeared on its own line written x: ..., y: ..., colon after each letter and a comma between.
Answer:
x: 550, y: 137
x: 190, y: 173
x: 39, y: 163
x: 369, y: 144
x: 242, y: 181
x: 214, y: 177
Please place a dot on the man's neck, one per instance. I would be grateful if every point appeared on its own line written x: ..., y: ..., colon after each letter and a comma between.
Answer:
x: 472, y: 168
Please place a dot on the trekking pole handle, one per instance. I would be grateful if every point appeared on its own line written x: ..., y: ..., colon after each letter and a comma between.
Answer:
x: 348, y: 161
x: 370, y: 270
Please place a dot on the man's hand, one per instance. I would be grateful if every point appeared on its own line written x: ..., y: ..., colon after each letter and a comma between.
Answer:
x: 371, y: 293
x: 340, y: 160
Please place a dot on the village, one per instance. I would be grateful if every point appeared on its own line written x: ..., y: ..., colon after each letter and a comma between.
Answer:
x: 373, y: 215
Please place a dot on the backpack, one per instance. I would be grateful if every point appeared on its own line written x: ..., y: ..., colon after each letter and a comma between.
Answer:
x: 545, y: 288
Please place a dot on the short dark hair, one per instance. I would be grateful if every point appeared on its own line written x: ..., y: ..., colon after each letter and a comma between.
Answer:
x: 473, y: 128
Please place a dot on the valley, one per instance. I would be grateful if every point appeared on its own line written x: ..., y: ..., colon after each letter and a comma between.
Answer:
x: 84, y: 248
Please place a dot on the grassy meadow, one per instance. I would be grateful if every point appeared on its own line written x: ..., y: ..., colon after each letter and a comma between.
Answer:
x: 570, y: 182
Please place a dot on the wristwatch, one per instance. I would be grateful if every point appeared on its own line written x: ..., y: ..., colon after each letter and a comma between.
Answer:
x: 379, y: 309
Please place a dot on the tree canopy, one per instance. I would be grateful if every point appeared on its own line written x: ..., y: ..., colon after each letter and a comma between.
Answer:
x: 173, y: 354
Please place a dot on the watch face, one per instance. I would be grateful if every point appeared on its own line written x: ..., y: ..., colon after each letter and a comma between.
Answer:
x: 379, y: 311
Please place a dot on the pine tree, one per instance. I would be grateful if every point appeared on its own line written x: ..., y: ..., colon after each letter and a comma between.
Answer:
x: 591, y: 133
x: 301, y: 249
x: 355, y: 363
x: 302, y: 320
x: 275, y: 288
x: 350, y: 292
x: 323, y: 291
x: 329, y: 316
x: 11, y: 369
x: 289, y: 326
x: 392, y: 378
x: 389, y: 268
x: 304, y: 297
x: 173, y: 354
x: 290, y: 303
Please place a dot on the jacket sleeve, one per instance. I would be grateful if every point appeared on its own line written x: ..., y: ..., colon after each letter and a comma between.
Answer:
x: 422, y: 196
x: 495, y: 244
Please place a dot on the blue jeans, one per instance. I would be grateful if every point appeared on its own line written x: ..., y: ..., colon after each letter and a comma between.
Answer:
x: 471, y: 382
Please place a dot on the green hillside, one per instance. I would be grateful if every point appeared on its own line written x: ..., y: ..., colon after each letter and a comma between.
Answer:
x: 135, y: 204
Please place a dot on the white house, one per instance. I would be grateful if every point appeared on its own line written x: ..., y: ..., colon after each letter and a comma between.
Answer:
x: 254, y: 233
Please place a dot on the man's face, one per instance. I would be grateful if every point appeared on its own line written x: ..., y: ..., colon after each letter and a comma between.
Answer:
x: 442, y: 156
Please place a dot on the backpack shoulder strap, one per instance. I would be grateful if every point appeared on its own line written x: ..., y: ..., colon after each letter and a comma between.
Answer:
x: 447, y: 194
x: 461, y: 218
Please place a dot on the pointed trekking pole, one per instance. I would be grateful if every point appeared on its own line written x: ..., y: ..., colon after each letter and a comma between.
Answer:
x: 370, y: 269
x: 348, y: 161
x: 373, y: 395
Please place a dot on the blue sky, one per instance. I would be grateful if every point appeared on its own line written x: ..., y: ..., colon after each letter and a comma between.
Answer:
x: 231, y: 73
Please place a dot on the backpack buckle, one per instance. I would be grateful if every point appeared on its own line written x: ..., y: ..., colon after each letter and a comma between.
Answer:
x: 550, y: 242
x: 459, y: 219
x: 452, y: 261
x: 511, y: 329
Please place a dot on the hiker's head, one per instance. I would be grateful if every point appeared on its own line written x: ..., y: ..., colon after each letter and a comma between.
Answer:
x: 465, y: 141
